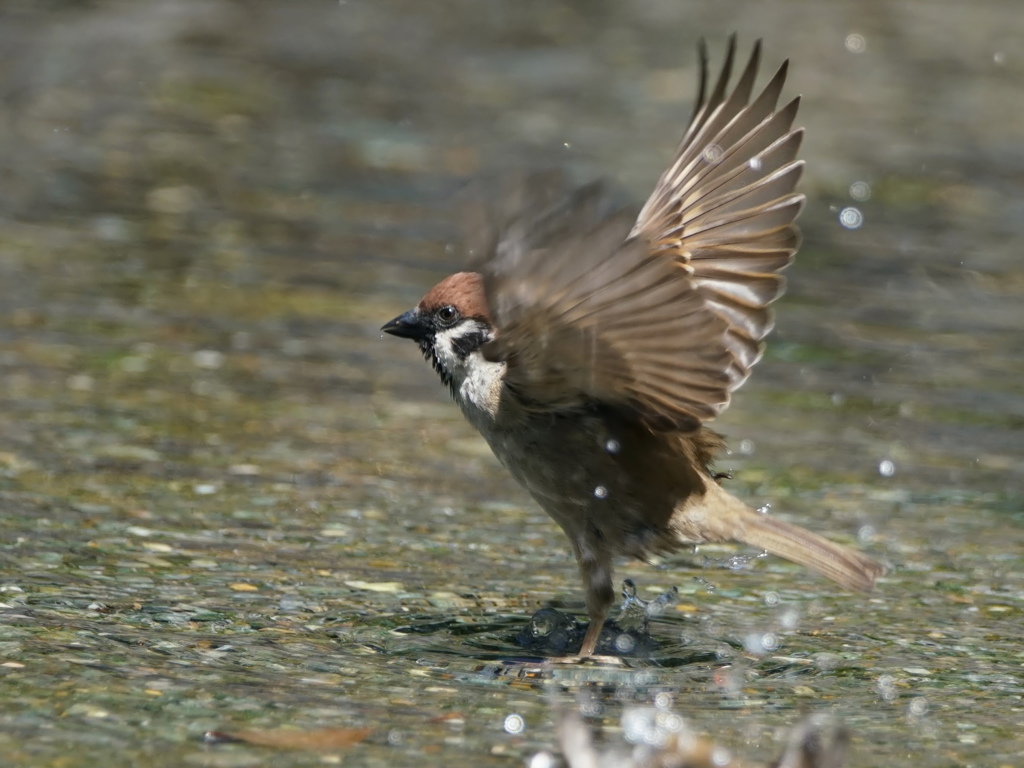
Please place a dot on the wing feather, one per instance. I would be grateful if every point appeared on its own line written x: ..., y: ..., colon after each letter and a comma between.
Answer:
x: 662, y: 315
x: 725, y: 209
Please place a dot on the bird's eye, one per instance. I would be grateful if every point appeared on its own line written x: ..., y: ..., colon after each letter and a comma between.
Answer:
x: 447, y: 316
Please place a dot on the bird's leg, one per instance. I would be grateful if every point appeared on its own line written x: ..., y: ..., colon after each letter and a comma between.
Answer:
x: 593, y: 633
x: 597, y: 580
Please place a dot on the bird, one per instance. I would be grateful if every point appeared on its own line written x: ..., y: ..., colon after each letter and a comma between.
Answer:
x: 590, y: 344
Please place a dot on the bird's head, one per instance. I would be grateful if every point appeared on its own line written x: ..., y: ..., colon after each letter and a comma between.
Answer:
x: 450, y: 324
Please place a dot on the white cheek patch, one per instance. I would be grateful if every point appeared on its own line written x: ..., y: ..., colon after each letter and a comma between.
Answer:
x: 474, y: 381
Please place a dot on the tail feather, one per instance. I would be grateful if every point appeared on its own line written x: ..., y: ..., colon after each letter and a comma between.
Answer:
x: 848, y: 568
x: 725, y: 518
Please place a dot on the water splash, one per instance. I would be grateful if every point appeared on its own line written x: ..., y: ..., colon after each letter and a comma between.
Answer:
x: 551, y: 631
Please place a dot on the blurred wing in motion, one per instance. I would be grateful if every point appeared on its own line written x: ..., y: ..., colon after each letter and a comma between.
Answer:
x: 665, y: 316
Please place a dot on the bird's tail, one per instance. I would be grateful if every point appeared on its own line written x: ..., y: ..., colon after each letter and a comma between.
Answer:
x: 728, y: 518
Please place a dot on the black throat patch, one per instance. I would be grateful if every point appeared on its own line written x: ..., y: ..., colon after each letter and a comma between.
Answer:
x: 427, y: 348
x: 462, y: 346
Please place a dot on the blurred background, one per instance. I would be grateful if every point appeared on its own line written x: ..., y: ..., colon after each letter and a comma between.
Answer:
x: 226, y: 500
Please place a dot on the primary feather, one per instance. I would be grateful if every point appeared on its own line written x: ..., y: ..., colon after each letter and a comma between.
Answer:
x: 664, y: 315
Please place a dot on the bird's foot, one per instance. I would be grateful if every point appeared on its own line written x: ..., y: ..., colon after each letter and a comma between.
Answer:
x: 553, y: 632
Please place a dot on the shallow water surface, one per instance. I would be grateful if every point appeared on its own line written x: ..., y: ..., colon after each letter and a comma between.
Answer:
x: 229, y: 505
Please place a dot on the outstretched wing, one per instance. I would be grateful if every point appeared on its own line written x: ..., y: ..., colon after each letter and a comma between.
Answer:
x: 662, y: 316
x: 725, y: 209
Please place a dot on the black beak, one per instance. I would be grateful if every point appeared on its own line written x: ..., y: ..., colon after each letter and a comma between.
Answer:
x: 411, y: 325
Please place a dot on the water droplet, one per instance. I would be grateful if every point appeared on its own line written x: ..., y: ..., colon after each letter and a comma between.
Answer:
x: 721, y: 756
x: 755, y: 163
x: 625, y: 643
x: 663, y: 700
x: 838, y: 398
x: 712, y: 153
x: 514, y: 724
x: 543, y: 760
x: 758, y: 643
x: 886, y: 687
x: 771, y: 598
x: 634, y: 724
x: 866, y: 534
x: 851, y: 218
x: 886, y: 468
x: 708, y: 586
x: 600, y: 492
x: 655, y: 737
x: 856, y: 43
x: 860, y: 191
x: 747, y: 447
x: 918, y: 706
x: 612, y: 446
x: 790, y: 618
x: 671, y: 722
x: 999, y: 57
x: 591, y: 708
x: 764, y: 509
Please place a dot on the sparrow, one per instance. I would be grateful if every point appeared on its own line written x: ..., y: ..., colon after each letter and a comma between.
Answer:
x: 590, y: 345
